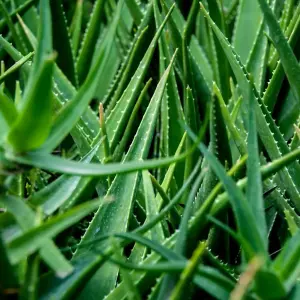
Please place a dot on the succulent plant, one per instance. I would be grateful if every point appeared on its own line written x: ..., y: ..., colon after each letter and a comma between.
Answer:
x: 149, y: 149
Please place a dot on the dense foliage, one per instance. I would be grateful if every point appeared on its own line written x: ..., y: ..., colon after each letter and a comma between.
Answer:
x: 149, y: 149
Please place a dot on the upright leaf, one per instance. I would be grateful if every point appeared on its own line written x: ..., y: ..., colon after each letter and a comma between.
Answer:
x: 114, y: 216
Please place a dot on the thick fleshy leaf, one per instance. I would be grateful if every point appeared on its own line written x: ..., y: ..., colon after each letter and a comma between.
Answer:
x: 114, y: 216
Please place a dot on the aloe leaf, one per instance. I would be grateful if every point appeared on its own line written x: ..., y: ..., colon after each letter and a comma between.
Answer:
x: 124, y: 105
x: 200, y: 57
x: 295, y: 293
x: 71, y: 113
x: 188, y: 273
x: 151, y: 208
x: 29, y: 289
x: 58, y: 164
x: 35, y: 238
x: 75, y: 26
x: 165, y: 117
x: 156, y: 233
x: 223, y: 71
x: 287, y: 57
x: 205, y: 277
x: 17, y: 39
x: 194, y: 226
x: 36, y: 129
x: 26, y: 218
x: 293, y: 227
x: 62, y: 43
x: 248, y: 90
x: 169, y: 281
x: 89, y: 41
x: 64, y: 191
x: 15, y: 67
x: 254, y: 186
x: 84, y: 269
x: 296, y: 139
x: 166, y: 183
x: 44, y: 47
x: 172, y: 110
x: 123, y: 76
x: 287, y: 13
x: 191, y: 120
x: 29, y: 132
x: 286, y: 264
x: 63, y: 92
x: 21, y: 9
x: 109, y: 72
x: 288, y: 115
x: 8, y: 110
x: 239, y: 142
x: 249, y: 19
x: 286, y: 23
x: 112, y: 217
x: 205, y: 281
x: 132, y: 291
x: 170, y: 206
x: 27, y: 34
x: 135, y: 11
x: 218, y: 140
x: 257, y: 62
x: 120, y: 149
x: 150, y: 222
x: 177, y: 38
x: 272, y: 91
x: 239, y: 203
x: 266, y: 171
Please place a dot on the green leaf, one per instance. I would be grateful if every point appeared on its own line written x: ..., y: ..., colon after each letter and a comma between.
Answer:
x: 118, y: 117
x: 61, y: 165
x: 269, y: 286
x: 33, y: 124
x: 21, y: 9
x: 26, y: 218
x: 287, y: 57
x: 135, y: 11
x: 75, y: 28
x: 44, y: 48
x: 273, y: 89
x: 15, y: 67
x: 8, y: 277
x: 17, y: 39
x: 293, y: 227
x: 286, y: 263
x: 254, y: 187
x: 181, y: 287
x: 151, y: 207
x: 8, y: 110
x: 29, y: 288
x: 89, y: 41
x: 257, y: 64
x: 65, y: 190
x: 61, y: 42
x: 266, y: 126
x: 30, y: 131
x: 72, y: 112
x: 114, y: 216
x: 249, y: 19
x: 240, y: 205
x: 34, y: 239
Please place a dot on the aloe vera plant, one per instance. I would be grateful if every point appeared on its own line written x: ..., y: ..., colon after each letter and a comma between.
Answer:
x: 149, y: 149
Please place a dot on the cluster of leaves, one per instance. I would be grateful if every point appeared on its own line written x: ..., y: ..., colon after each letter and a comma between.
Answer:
x: 150, y: 149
